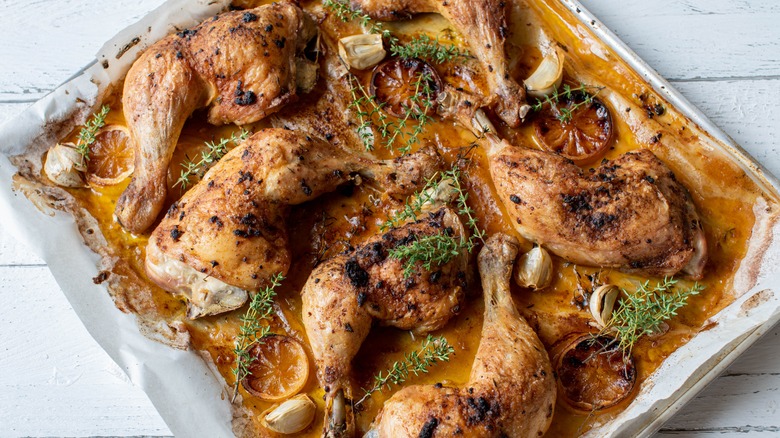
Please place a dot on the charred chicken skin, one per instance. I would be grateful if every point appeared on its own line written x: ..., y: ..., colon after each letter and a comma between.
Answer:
x: 630, y: 213
x: 511, y: 391
x: 483, y: 24
x: 240, y: 64
x: 227, y: 234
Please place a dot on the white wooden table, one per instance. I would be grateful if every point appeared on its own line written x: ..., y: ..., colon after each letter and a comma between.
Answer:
x: 724, y: 55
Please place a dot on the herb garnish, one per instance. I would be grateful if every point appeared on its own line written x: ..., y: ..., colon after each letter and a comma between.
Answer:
x: 643, y: 311
x: 89, y: 132
x: 421, y: 47
x: 432, y: 351
x: 215, y: 151
x: 565, y: 114
x: 370, y: 115
x: 436, y: 249
x: 253, y: 330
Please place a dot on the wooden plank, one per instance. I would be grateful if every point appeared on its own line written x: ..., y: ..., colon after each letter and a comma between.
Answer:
x: 54, y: 378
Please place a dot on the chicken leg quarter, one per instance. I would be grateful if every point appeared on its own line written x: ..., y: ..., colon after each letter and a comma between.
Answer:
x: 484, y: 27
x: 630, y: 213
x: 344, y: 295
x: 511, y: 391
x: 227, y: 235
x: 241, y: 64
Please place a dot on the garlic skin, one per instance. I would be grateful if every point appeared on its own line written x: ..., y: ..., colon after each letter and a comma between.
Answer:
x: 548, y: 75
x: 362, y: 51
x: 64, y: 165
x: 602, y: 303
x: 534, y: 269
x: 292, y: 416
x: 306, y: 74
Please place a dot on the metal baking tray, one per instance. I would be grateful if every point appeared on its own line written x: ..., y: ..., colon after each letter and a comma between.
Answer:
x: 174, y: 378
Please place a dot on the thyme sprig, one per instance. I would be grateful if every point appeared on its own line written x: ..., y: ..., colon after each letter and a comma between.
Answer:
x: 435, y: 249
x: 421, y: 47
x: 370, y: 115
x: 213, y: 153
x: 643, y: 311
x: 566, y: 93
x: 432, y: 351
x: 88, y: 133
x: 253, y: 329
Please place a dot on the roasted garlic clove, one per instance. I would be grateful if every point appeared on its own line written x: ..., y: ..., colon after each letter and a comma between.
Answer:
x: 306, y: 74
x: 64, y: 165
x: 548, y: 75
x: 292, y: 416
x: 602, y: 303
x: 362, y: 51
x: 534, y: 269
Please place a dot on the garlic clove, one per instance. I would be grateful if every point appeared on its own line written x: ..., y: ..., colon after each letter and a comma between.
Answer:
x: 306, y: 74
x: 602, y: 303
x: 362, y: 51
x: 291, y: 416
x: 534, y: 269
x: 548, y: 75
x: 64, y: 165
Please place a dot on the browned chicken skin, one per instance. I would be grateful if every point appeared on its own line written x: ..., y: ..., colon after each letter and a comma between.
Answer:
x: 227, y: 235
x: 241, y: 64
x: 629, y: 213
x: 484, y: 27
x: 344, y: 295
x: 511, y: 391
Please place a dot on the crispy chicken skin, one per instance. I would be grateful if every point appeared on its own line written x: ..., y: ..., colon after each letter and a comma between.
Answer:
x: 231, y: 225
x: 511, y: 390
x: 483, y: 25
x: 240, y: 64
x: 344, y: 295
x: 630, y: 213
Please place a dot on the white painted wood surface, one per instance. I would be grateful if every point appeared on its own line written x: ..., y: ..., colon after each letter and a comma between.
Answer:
x: 724, y: 55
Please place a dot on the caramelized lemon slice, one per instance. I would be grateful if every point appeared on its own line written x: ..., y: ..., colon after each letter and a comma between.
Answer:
x: 111, y: 157
x: 279, y: 370
x: 578, y: 128
x: 396, y: 84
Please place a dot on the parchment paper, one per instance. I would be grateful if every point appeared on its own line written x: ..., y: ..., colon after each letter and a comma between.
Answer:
x: 189, y: 396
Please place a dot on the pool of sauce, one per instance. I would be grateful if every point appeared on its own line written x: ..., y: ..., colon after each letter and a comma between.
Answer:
x: 351, y: 214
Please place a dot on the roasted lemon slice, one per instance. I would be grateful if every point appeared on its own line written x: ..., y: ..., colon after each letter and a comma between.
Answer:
x: 280, y: 368
x: 111, y: 157
x: 396, y: 84
x: 578, y: 127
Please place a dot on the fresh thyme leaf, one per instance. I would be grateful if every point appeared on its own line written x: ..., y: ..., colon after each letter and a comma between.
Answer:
x: 429, y: 49
x: 89, y: 132
x: 213, y: 153
x: 436, y: 249
x: 422, y: 104
x: 643, y: 311
x: 253, y: 329
x: 564, y: 114
x: 432, y: 351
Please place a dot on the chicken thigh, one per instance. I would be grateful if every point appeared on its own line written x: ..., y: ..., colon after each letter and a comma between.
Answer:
x: 511, y: 390
x: 630, y: 213
x: 344, y: 295
x: 483, y: 24
x: 240, y: 64
x: 227, y: 234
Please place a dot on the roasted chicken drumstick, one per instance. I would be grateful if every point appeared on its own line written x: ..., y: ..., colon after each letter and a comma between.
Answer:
x: 241, y: 65
x: 511, y: 391
x: 483, y: 24
x: 630, y: 213
x: 227, y: 234
x: 347, y: 293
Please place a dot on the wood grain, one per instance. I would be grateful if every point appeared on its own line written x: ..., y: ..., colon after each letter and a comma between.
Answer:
x: 723, y: 55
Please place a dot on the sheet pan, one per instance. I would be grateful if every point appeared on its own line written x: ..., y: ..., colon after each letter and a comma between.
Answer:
x: 189, y: 395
